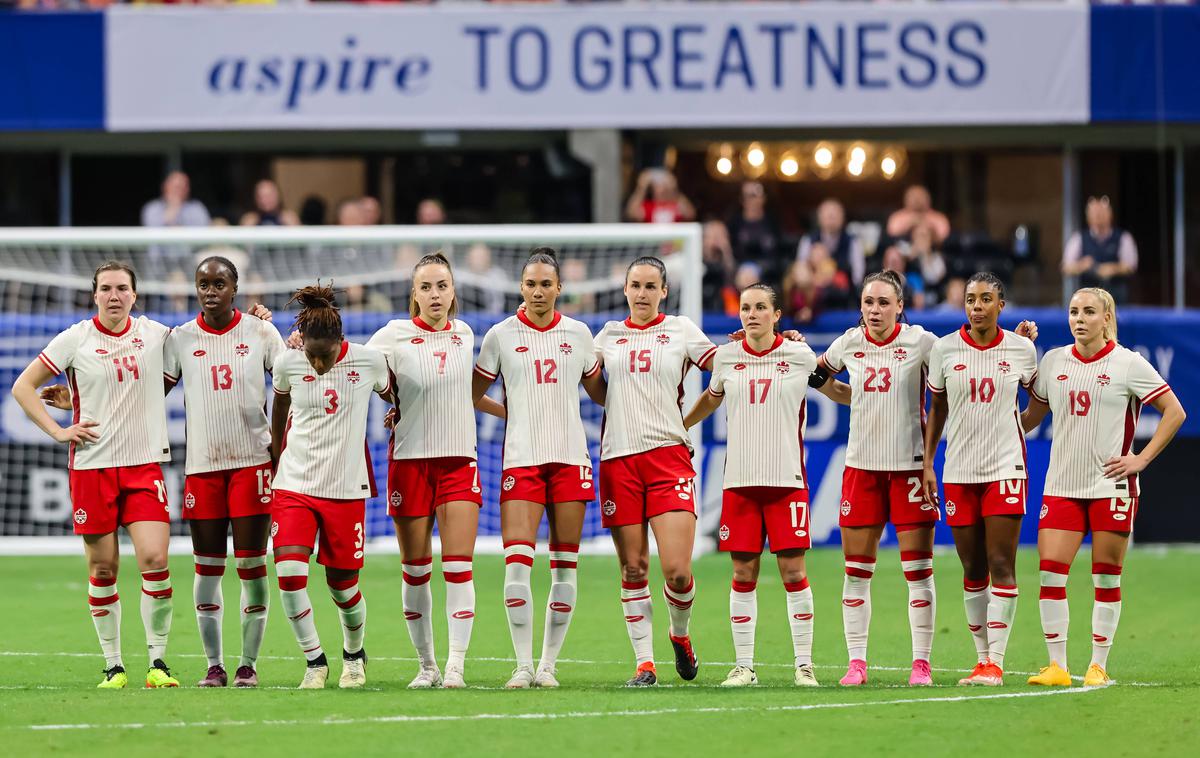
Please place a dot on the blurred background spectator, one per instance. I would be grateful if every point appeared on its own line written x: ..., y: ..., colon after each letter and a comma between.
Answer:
x: 431, y: 211
x: 927, y: 260
x: 918, y: 210
x: 815, y: 284
x: 175, y: 206
x: 313, y: 211
x: 1102, y: 255
x: 656, y: 199
x: 268, y: 207
x: 718, y: 264
x: 753, y: 232
x: 845, y: 249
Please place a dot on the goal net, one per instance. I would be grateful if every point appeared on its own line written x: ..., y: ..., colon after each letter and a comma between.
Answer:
x: 45, y: 285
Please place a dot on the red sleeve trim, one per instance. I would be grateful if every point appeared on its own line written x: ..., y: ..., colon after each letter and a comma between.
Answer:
x: 595, y: 370
x: 714, y: 394
x: 938, y: 390
x: 708, y: 354
x: 1157, y: 393
x: 824, y: 362
x: 49, y: 364
x: 484, y: 373
x: 168, y: 376
x: 1033, y: 394
x: 281, y: 392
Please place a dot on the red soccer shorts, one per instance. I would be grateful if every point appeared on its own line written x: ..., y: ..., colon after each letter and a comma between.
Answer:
x: 636, y: 488
x: 107, y: 497
x: 233, y: 493
x: 873, y: 498
x: 966, y: 504
x: 548, y: 483
x: 417, y: 486
x: 750, y: 514
x: 1109, y: 514
x: 298, y: 518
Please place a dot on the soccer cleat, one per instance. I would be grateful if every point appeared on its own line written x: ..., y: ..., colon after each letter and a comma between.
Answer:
x: 354, y: 670
x: 986, y: 673
x: 216, y: 677
x: 546, y: 677
x: 686, y: 664
x: 315, y: 674
x: 159, y: 676
x: 646, y: 676
x: 245, y: 676
x: 740, y: 676
x: 1096, y: 676
x: 920, y: 674
x: 115, y: 678
x: 1052, y: 676
x: 426, y: 678
x: 454, y: 678
x: 522, y: 679
x: 805, y: 676
x: 856, y: 674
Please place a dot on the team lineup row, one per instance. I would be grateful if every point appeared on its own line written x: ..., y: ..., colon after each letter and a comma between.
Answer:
x: 301, y: 478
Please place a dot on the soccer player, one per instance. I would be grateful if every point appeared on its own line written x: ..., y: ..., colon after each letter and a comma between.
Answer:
x: 645, y: 460
x: 543, y: 356
x: 222, y: 356
x: 766, y: 379
x: 117, y: 440
x: 973, y: 375
x: 323, y: 477
x: 433, y: 471
x: 1096, y: 389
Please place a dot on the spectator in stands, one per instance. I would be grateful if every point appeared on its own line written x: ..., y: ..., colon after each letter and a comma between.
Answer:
x: 922, y: 254
x: 752, y: 231
x: 431, y: 211
x: 1102, y: 255
x: 313, y: 211
x: 656, y: 199
x: 845, y: 249
x: 268, y: 207
x: 175, y: 207
x: 747, y: 275
x: 372, y: 211
x: 363, y: 299
x: 918, y: 210
x: 914, y: 283
x: 571, y: 301
x: 816, y: 284
x: 955, y: 296
x: 350, y: 213
x: 718, y: 265
x: 484, y: 288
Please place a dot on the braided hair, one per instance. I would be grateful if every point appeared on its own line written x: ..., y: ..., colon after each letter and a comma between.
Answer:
x: 990, y: 279
x: 318, y: 316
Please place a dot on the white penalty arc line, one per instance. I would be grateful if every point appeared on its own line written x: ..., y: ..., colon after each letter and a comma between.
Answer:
x: 403, y: 719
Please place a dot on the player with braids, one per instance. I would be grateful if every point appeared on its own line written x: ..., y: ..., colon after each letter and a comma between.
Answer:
x: 1096, y: 389
x: 323, y: 477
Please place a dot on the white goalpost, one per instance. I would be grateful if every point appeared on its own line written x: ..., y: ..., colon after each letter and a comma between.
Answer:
x: 46, y: 280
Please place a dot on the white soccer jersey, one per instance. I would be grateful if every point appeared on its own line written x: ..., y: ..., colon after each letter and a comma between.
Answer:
x: 984, y: 440
x: 116, y: 380
x: 326, y: 453
x: 431, y: 376
x: 224, y: 390
x: 887, y: 402
x: 765, y: 406
x: 541, y: 369
x: 646, y: 366
x: 1096, y: 402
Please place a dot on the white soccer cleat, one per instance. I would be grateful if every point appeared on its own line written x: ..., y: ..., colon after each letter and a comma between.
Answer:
x: 354, y: 673
x: 805, y: 676
x: 522, y: 679
x: 545, y: 677
x: 454, y: 678
x: 315, y: 678
x: 427, y: 677
x: 740, y: 676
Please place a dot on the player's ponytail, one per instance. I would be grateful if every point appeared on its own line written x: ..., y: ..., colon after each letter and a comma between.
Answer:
x: 114, y: 266
x: 893, y: 280
x: 650, y: 260
x: 547, y: 255
x: 433, y: 259
x: 1110, y: 308
x: 318, y: 316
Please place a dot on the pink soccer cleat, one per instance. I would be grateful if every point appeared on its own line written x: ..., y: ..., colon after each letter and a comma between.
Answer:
x: 920, y: 674
x: 855, y: 675
x: 246, y: 676
x: 216, y: 677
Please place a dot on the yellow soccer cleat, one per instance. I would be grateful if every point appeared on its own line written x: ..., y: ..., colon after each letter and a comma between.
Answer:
x: 115, y: 678
x: 1096, y: 677
x: 1052, y: 676
x: 159, y: 676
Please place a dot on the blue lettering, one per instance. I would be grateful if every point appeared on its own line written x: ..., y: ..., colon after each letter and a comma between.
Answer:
x: 270, y: 79
x: 543, y: 58
x: 924, y: 56
x: 369, y: 76
x: 234, y: 82
x: 411, y: 73
x: 733, y: 42
x: 602, y: 63
x: 777, y: 31
x: 835, y: 64
x: 681, y: 56
x: 301, y: 83
x: 645, y: 60
x: 974, y: 57
x: 866, y: 55
x: 344, y: 69
x: 482, y: 33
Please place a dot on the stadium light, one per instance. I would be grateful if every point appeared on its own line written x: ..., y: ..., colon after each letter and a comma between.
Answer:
x: 755, y: 155
x: 724, y: 166
x: 823, y: 156
x: 789, y: 166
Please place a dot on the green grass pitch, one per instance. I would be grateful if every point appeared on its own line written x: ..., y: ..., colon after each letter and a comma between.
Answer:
x: 51, y: 664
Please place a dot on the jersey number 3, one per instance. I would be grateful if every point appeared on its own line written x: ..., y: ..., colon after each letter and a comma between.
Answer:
x: 331, y: 401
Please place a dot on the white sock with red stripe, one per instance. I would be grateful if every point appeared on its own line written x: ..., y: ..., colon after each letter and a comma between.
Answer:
x: 1054, y: 610
x: 1001, y: 610
x: 856, y: 604
x: 639, y: 619
x: 922, y: 600
x: 460, y: 606
x: 975, y: 601
x: 156, y: 611
x: 679, y: 606
x: 105, y: 605
x: 352, y: 609
x: 743, y: 616
x: 560, y: 606
x: 210, y: 605
x: 1106, y: 610
x: 292, y: 571
x: 518, y: 599
x: 800, y: 619
x: 417, y: 597
x: 252, y: 571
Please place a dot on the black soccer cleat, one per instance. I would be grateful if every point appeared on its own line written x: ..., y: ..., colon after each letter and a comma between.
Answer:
x: 686, y: 663
x: 645, y: 677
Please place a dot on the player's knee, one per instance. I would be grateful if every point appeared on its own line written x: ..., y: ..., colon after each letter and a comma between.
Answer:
x: 791, y: 574
x: 102, y: 569
x: 677, y: 577
x: 745, y: 573
x: 152, y: 560
x: 1001, y: 569
x: 634, y: 572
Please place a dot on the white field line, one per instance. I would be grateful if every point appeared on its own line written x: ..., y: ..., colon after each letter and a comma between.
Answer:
x: 549, y: 716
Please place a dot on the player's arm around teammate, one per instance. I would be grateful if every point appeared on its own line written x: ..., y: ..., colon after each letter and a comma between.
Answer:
x: 117, y: 440
x: 1096, y: 389
x: 543, y: 357
x: 765, y: 378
